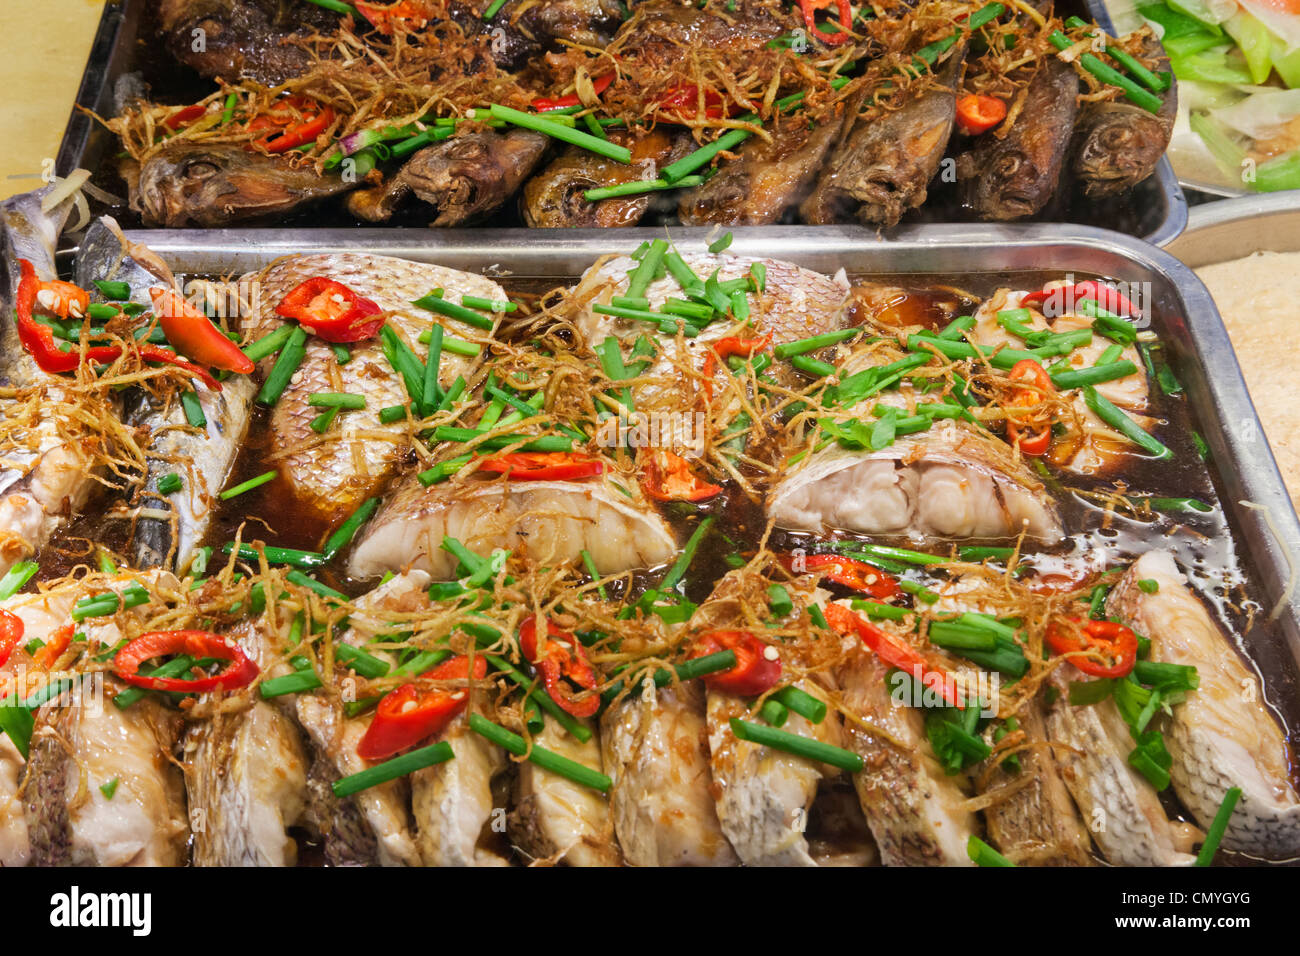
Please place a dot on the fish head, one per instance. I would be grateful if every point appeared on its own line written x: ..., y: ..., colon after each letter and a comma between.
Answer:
x: 209, y: 186
x: 1122, y: 146
x: 106, y: 254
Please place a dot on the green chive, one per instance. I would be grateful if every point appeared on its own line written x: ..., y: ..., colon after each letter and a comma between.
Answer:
x: 640, y: 187
x: 487, y: 305
x: 336, y: 400
x: 113, y: 289
x: 176, y: 667
x: 1214, y: 835
x: 321, y: 423
x: 802, y: 703
x: 108, y: 789
x: 803, y: 346
x: 545, y: 701
x: 1093, y: 376
x: 1116, y: 418
x: 982, y: 854
x: 295, y: 350
x: 193, y: 409
x: 248, y: 485
x: 345, y: 532
x: 721, y: 244
x: 299, y: 682
x: 774, y: 712
x: 393, y: 769
x: 678, y: 570
x: 546, y: 759
x: 311, y: 584
x: 169, y: 484
x: 311, y: 560
x: 493, y: 8
x: 797, y: 745
x: 540, y: 124
x: 440, y: 305
x: 269, y: 344
x: 16, y: 578
x: 590, y: 564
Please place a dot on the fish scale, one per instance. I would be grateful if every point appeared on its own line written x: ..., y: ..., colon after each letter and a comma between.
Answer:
x: 359, y: 453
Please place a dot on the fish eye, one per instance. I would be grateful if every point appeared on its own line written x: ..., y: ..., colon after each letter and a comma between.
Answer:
x: 200, y: 169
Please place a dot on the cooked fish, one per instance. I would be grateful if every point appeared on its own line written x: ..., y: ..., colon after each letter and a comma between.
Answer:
x: 47, y: 471
x: 917, y: 814
x: 205, y: 456
x: 1117, y: 144
x: 662, y: 29
x: 210, y: 185
x: 553, y: 199
x: 245, y: 775
x: 234, y: 39
x: 1033, y: 820
x: 885, y: 165
x: 1014, y: 176
x: 465, y: 178
x: 520, y: 30
x: 453, y: 802
x: 1119, y: 806
x: 655, y: 748
x: 946, y: 482
x: 332, y: 473
x: 15, y: 849
x: 766, y: 181
x: 553, y: 521
x: 1223, y: 735
x: 837, y: 831
x: 373, y: 826
x: 556, y: 819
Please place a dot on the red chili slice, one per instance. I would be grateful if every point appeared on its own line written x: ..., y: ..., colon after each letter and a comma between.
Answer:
x: 668, y: 477
x: 563, y: 664
x: 11, y: 632
x: 408, y: 715
x: 1110, y: 638
x: 544, y: 104
x: 544, y: 466
x: 384, y: 16
x: 331, y: 310
x: 1064, y: 297
x: 755, y: 673
x: 1032, y: 441
x: 724, y: 349
x: 810, y: 8
x: 894, y: 652
x: 186, y: 114
x: 977, y: 113
x: 197, y: 644
x: 857, y: 575
x: 191, y: 332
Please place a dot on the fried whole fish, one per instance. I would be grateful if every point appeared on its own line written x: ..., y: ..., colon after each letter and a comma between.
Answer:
x: 1117, y: 144
x: 331, y: 473
x: 520, y: 29
x: 885, y: 164
x: 663, y: 29
x: 48, y: 470
x: 1016, y: 175
x: 234, y: 39
x: 766, y: 182
x: 554, y: 521
x: 553, y: 199
x: 1222, y: 734
x: 465, y: 179
x: 193, y: 184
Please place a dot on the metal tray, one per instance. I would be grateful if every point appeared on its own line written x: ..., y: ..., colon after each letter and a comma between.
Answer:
x: 1182, y: 311
x: 1232, y: 228
x: 1156, y: 210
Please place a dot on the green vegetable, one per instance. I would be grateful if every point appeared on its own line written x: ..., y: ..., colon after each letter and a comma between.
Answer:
x: 248, y: 485
x: 785, y: 741
x: 291, y: 356
x: 549, y: 127
x: 1214, y: 835
x: 394, y: 769
x: 546, y: 759
x: 982, y: 854
x: 1117, y: 419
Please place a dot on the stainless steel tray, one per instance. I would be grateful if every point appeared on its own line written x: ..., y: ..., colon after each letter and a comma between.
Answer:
x: 1182, y: 312
x: 1232, y: 228
x: 1155, y: 211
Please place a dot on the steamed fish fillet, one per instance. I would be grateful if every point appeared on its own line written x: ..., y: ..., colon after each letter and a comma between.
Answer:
x: 246, y: 777
x: 1119, y: 806
x: 655, y: 750
x: 1223, y: 735
x: 917, y: 814
x: 796, y: 303
x: 553, y: 521
x: 556, y: 819
x: 1034, y: 821
x: 373, y: 826
x: 331, y: 474
x: 942, y: 483
x: 77, y: 749
x: 15, y: 849
x: 764, y: 795
x: 453, y: 803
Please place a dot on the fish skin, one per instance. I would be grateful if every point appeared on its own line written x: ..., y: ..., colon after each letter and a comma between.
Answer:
x: 884, y: 167
x: 1117, y: 144
x: 1015, y: 176
x: 943, y: 483
x: 521, y: 30
x: 662, y: 29
x: 1118, y: 805
x: 553, y: 199
x: 655, y: 749
x: 15, y: 848
x: 915, y: 811
x: 465, y: 178
x: 556, y: 819
x: 332, y: 478
x: 554, y: 520
x: 1223, y: 734
x: 765, y: 182
x: 242, y: 38
x: 452, y: 802
x: 212, y: 185
x: 373, y: 826
x: 246, y: 773
x: 1035, y: 823
x: 53, y: 479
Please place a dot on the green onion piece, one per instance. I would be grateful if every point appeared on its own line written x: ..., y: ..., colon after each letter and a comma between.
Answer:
x: 113, y: 289
x: 367, y: 665
x: 1093, y: 376
x: 778, y: 599
x: 248, y: 485
x: 704, y: 155
x: 311, y: 584
x: 394, y: 769
x: 546, y: 759
x: 1214, y: 835
x: 803, y: 346
x: 295, y: 350
x: 982, y: 854
x: 321, y: 423
x: 877, y: 611
x: 309, y: 560
x: 16, y: 578
x: 439, y: 304
x: 575, y: 137
x: 487, y: 305
x: 590, y: 564
x: 108, y: 789
x: 797, y: 745
x: 336, y: 400
x: 1108, y: 74
x: 176, y: 667
x: 645, y: 271
x: 721, y: 244
x: 299, y: 682
x: 338, y: 6
x: 392, y: 413
x: 638, y: 188
x: 169, y: 484
x: 493, y: 8
x: 812, y: 366
x: 432, y: 391
x: 679, y: 270
x: 193, y: 410
x: 678, y: 570
x: 1113, y: 416
x: 345, y: 532
x: 979, y: 553
x: 802, y: 703
x: 17, y: 721
x: 405, y: 363
x: 269, y: 344
x: 774, y: 712
x: 574, y: 727
x: 342, y: 354
x: 759, y: 273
